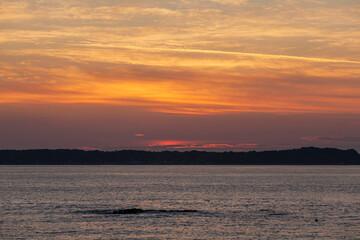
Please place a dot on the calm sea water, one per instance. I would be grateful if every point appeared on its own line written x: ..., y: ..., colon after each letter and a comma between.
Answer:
x: 233, y: 202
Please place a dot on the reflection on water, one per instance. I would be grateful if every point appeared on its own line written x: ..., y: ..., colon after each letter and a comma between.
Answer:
x: 232, y: 202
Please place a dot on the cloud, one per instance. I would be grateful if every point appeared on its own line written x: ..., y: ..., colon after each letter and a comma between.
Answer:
x: 176, y: 145
x: 197, y: 63
x: 191, y: 58
x: 230, y: 2
x: 340, y: 139
x: 87, y: 148
x: 184, y: 89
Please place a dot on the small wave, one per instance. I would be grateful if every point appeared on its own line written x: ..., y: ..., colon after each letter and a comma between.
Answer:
x: 278, y: 214
x: 270, y: 212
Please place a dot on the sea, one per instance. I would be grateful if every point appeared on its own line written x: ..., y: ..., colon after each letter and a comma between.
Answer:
x: 227, y: 202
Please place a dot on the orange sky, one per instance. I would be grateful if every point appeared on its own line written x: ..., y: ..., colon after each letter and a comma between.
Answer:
x: 75, y: 66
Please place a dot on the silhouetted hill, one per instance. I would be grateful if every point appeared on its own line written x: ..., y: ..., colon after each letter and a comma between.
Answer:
x: 302, y: 156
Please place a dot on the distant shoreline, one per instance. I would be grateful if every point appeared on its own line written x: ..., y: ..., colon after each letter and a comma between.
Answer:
x: 301, y: 156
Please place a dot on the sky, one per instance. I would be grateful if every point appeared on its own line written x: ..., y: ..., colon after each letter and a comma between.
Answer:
x: 214, y: 75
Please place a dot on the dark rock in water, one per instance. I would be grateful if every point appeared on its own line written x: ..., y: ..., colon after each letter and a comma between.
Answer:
x: 128, y: 211
x: 139, y: 210
x: 187, y: 211
x: 179, y: 210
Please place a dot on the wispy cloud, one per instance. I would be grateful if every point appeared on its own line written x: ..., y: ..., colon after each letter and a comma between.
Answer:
x: 183, y: 58
x: 339, y: 139
x: 332, y: 139
x: 87, y: 148
x: 174, y: 145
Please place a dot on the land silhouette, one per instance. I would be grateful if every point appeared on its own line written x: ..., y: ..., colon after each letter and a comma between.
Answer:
x: 301, y: 156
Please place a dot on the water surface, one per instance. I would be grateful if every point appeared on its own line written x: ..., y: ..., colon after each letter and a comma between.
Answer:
x: 233, y: 202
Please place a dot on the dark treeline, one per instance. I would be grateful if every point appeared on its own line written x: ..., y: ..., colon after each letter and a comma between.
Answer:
x: 302, y: 156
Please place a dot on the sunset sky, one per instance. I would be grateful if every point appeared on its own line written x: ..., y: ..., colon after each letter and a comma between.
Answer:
x: 179, y: 75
